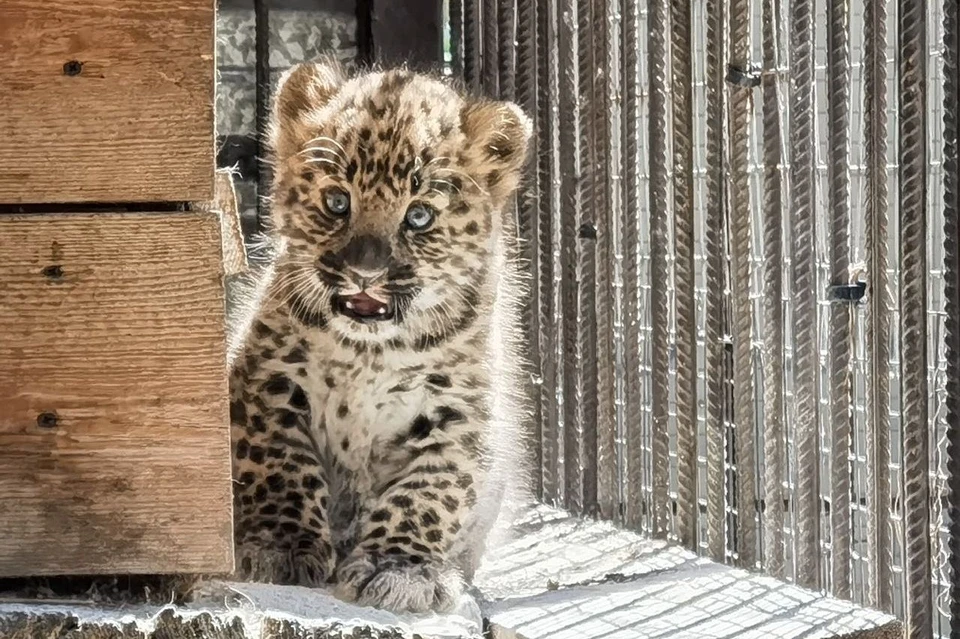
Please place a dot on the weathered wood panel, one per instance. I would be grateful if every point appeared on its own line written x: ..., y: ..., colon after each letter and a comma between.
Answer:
x: 106, y: 100
x: 114, y: 441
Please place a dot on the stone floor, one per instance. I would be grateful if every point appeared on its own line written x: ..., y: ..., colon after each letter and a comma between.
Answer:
x: 556, y: 577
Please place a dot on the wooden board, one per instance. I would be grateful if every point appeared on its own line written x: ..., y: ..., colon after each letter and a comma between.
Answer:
x: 114, y: 439
x: 134, y: 125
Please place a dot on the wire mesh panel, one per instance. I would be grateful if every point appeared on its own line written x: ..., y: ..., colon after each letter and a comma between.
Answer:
x: 838, y: 197
x: 951, y: 216
x: 774, y: 442
x: 715, y: 372
x: 735, y: 223
x: 876, y: 372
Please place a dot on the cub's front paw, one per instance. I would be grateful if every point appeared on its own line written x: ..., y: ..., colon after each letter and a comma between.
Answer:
x: 398, y: 584
x: 308, y: 563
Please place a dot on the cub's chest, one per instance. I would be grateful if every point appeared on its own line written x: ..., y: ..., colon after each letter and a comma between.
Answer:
x: 358, y: 407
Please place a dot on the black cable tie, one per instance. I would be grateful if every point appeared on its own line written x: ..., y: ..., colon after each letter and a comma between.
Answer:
x: 743, y: 78
x: 847, y: 292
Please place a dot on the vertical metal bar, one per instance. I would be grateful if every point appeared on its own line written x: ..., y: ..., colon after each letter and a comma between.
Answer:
x: 606, y: 117
x: 773, y: 435
x: 633, y: 412
x: 548, y: 229
x: 912, y: 135
x: 951, y: 214
x: 686, y: 318
x: 741, y: 104
x: 456, y: 37
x: 261, y: 21
x: 803, y: 235
x: 491, y: 49
x: 472, y: 44
x: 878, y: 320
x: 951, y: 70
x: 528, y: 219
x: 364, y: 16
x: 838, y: 95
x: 571, y: 215
x: 592, y: 206
x: 659, y: 264
x: 714, y: 369
x: 729, y: 391
x: 507, y: 33
x: 409, y: 33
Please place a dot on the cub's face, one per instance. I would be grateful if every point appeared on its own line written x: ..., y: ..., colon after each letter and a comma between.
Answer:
x: 389, y: 189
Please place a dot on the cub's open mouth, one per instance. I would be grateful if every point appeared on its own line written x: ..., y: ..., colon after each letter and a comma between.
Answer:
x: 363, y: 307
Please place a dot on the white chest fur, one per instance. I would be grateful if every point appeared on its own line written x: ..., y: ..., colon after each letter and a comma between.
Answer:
x: 365, y: 403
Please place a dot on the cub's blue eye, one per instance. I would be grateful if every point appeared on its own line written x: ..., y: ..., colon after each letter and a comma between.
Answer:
x: 337, y: 201
x: 419, y: 217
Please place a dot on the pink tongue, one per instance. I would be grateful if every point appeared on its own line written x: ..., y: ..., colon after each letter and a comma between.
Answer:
x: 363, y: 304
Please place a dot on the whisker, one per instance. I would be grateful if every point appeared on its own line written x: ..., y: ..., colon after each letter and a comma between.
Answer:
x: 323, y: 149
x: 464, y: 175
x: 436, y: 324
x: 291, y: 278
x: 287, y: 301
x: 452, y: 186
x: 291, y: 291
x: 318, y: 303
x: 308, y: 298
x: 323, y: 138
x: 335, y: 165
x: 287, y: 278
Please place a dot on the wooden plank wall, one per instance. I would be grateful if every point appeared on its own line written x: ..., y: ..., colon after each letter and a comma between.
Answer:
x: 106, y: 100
x: 114, y: 429
x: 113, y: 394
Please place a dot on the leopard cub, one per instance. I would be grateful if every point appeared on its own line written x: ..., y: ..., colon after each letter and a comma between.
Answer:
x: 375, y: 400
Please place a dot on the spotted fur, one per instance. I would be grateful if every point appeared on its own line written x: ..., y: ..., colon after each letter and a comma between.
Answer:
x: 376, y: 455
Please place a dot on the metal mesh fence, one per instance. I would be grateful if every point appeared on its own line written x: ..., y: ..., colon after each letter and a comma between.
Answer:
x: 743, y: 306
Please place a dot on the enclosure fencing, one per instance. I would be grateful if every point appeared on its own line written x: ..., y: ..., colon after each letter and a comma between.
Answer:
x: 742, y: 227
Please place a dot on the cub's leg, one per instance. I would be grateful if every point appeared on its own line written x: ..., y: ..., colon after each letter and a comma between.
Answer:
x: 400, y: 562
x: 280, y: 492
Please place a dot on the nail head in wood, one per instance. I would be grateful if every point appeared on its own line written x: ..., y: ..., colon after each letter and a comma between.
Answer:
x: 53, y: 272
x: 73, y: 67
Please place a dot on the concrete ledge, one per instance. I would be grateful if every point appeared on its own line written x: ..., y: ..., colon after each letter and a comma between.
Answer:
x: 554, y: 577
x: 564, y: 578
x: 232, y: 611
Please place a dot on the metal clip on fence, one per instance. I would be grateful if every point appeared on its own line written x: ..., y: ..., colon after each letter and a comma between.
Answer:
x: 852, y: 292
x: 749, y: 78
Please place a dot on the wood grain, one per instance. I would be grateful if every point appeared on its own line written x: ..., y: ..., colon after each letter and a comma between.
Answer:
x: 114, y: 323
x: 135, y: 125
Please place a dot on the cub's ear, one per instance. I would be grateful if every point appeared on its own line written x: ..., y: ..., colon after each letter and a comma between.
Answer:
x: 498, y: 136
x: 302, y: 90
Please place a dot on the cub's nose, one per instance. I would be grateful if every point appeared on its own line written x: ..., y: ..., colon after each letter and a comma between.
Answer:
x: 366, y: 278
x: 366, y: 254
